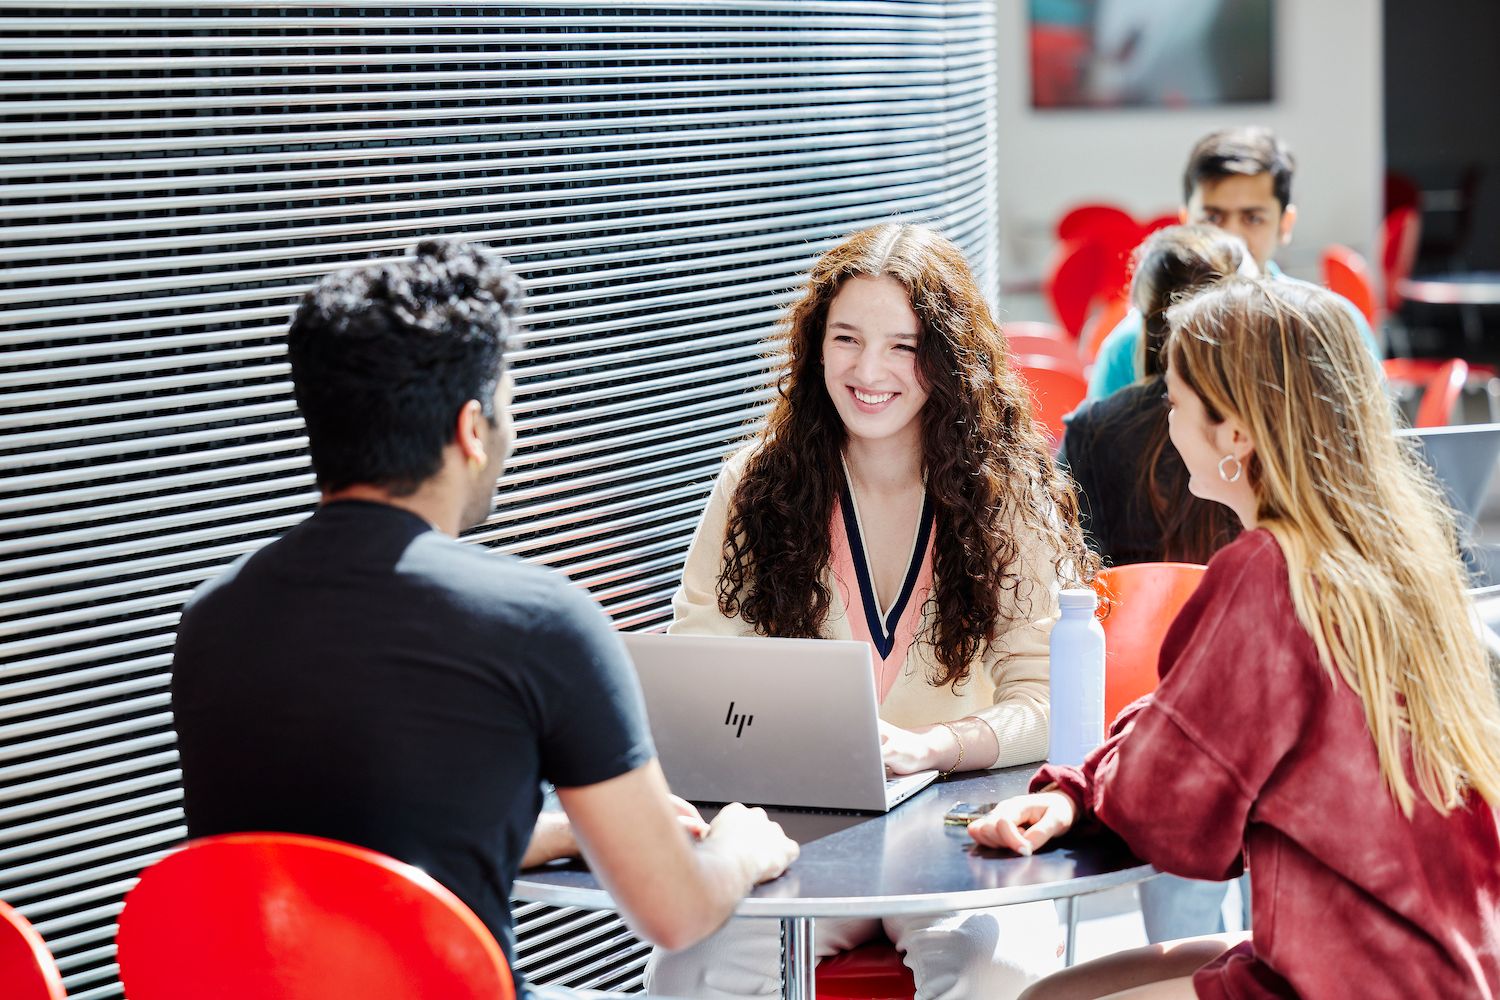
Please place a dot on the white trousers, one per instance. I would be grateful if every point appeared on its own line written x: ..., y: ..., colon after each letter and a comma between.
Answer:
x: 991, y: 954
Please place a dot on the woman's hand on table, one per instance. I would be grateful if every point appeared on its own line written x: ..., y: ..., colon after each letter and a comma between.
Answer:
x: 906, y: 752
x: 966, y: 744
x: 1026, y: 822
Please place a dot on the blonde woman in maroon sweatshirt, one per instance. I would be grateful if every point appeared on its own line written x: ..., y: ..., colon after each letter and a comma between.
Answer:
x: 1326, y: 712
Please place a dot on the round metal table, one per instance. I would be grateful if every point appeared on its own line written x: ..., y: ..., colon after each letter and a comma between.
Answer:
x: 904, y: 862
x: 1461, y: 288
x: 1468, y: 290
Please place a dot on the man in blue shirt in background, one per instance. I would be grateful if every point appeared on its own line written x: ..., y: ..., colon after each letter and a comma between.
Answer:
x: 1240, y: 180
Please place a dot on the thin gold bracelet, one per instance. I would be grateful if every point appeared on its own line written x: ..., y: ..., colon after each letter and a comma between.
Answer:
x: 960, y: 741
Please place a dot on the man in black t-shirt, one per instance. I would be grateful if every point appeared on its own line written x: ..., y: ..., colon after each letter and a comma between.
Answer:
x: 368, y: 678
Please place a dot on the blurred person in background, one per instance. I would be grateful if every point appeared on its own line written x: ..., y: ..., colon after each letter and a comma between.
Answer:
x: 1132, y: 485
x: 1240, y: 180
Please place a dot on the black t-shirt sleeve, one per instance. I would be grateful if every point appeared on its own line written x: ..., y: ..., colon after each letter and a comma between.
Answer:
x: 593, y: 716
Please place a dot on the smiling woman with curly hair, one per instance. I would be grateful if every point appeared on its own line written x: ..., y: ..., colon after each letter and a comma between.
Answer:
x: 898, y: 494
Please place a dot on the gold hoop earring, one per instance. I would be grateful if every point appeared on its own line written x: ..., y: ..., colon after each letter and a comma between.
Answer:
x: 1238, y: 468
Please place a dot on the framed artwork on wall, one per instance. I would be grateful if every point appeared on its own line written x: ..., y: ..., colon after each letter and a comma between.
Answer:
x: 1150, y: 53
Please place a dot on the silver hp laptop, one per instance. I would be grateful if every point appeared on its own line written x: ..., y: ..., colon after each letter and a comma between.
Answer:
x: 769, y: 722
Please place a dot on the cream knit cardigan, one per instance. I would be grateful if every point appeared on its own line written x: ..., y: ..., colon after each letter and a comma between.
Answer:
x: 1006, y: 688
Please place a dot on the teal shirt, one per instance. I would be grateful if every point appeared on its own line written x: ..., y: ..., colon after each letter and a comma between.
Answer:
x: 1119, y: 364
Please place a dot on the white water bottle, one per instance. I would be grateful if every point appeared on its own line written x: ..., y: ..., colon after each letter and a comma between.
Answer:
x: 1077, y: 667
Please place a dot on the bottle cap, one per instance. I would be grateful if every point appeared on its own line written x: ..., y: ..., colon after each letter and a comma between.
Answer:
x: 1078, y: 599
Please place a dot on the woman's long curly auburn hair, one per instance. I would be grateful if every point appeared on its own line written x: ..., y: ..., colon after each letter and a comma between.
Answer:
x: 989, y: 471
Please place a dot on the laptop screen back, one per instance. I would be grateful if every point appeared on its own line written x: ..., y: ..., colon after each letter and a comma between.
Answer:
x: 1463, y: 459
x: 787, y: 722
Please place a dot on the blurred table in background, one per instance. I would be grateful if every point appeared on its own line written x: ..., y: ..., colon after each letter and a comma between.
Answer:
x: 1470, y: 291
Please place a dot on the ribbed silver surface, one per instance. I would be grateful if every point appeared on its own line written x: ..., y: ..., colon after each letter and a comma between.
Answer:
x: 172, y: 178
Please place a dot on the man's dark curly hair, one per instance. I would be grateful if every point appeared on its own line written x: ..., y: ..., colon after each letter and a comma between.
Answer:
x: 989, y: 471
x: 385, y: 355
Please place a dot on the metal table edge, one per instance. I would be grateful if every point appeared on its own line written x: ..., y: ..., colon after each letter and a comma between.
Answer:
x: 862, y: 906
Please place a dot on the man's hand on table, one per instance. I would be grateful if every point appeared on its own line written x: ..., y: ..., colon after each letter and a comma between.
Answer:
x: 552, y: 837
x: 749, y: 834
x: 688, y: 815
x: 1026, y: 822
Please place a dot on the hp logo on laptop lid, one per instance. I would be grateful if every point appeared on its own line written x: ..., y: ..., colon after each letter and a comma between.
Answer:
x: 741, y: 720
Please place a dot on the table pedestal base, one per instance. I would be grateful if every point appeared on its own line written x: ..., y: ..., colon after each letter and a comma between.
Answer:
x: 797, y: 959
x: 1070, y: 923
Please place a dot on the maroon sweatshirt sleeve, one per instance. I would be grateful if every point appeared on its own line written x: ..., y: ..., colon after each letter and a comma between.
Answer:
x: 1179, y: 774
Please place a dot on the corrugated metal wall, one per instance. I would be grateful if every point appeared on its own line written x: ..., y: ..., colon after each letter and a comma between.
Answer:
x: 174, y: 176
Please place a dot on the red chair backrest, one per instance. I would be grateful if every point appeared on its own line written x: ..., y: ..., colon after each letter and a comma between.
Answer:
x: 258, y: 915
x: 27, y: 969
x: 1063, y: 351
x: 1409, y: 371
x: 1100, y: 325
x: 1442, y: 393
x: 1401, y: 192
x: 1400, y: 233
x: 1160, y: 222
x: 1035, y: 328
x: 1082, y: 275
x: 1056, y: 390
x: 1098, y: 223
x: 1346, y: 273
x: 1140, y: 603
x: 1072, y: 281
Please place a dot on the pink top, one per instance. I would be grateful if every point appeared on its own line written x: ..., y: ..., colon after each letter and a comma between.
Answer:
x: 1249, y: 749
x: 889, y: 631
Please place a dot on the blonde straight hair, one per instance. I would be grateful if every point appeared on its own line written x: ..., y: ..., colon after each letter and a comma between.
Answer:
x: 1370, y: 544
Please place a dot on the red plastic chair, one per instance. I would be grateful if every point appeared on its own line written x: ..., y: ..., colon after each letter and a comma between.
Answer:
x: 1056, y: 390
x: 1035, y: 328
x: 1098, y: 222
x: 1071, y: 283
x: 1160, y: 222
x: 873, y: 971
x: 1401, y: 192
x: 1400, y: 234
x: 1081, y: 276
x: 1410, y: 376
x: 1417, y: 372
x: 1064, y: 352
x: 256, y: 916
x: 1140, y: 603
x: 1100, y: 325
x: 1442, y: 393
x: 1346, y: 273
x: 27, y: 969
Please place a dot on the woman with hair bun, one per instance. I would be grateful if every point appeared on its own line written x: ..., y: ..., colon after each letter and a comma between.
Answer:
x: 899, y: 494
x: 1132, y: 486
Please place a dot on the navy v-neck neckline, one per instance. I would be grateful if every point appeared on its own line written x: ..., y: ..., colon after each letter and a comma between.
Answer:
x: 883, y: 633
